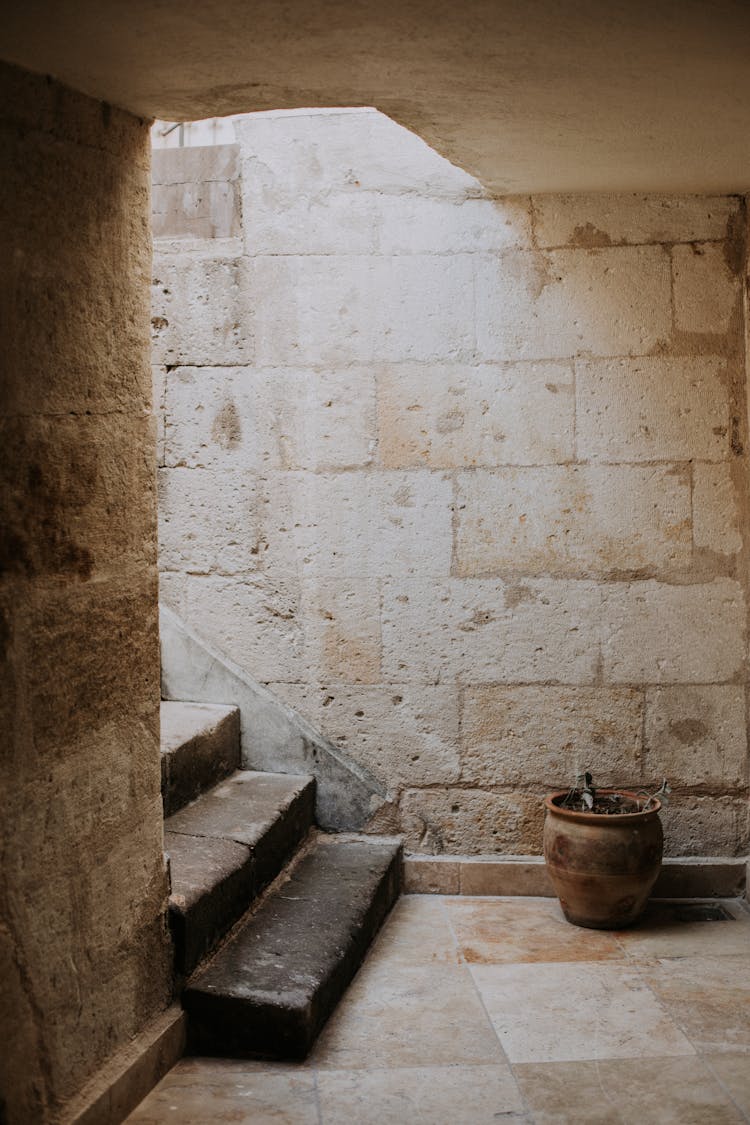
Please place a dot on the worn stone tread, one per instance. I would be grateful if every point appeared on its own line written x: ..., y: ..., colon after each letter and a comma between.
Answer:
x: 271, y: 988
x: 225, y: 848
x: 197, y: 862
x: 200, y: 745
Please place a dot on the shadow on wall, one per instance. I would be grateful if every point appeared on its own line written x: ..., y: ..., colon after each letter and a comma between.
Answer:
x: 461, y: 480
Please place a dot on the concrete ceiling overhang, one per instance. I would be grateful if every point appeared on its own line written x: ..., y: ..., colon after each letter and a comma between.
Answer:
x: 528, y: 95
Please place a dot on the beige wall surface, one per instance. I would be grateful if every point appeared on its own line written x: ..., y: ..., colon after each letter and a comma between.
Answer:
x: 83, y: 952
x: 462, y: 479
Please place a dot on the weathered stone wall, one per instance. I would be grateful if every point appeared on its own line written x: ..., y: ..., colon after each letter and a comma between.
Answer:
x: 83, y: 953
x: 463, y: 480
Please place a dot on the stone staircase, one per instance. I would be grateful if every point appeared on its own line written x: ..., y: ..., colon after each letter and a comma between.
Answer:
x: 270, y: 917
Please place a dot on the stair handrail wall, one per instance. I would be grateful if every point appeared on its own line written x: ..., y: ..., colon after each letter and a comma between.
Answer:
x: 274, y: 737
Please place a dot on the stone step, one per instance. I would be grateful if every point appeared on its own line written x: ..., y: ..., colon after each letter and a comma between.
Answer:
x: 271, y: 988
x: 225, y: 848
x: 200, y: 745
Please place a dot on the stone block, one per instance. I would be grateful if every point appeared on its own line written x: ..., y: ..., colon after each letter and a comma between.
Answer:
x: 706, y: 290
x: 715, y: 511
x: 325, y: 420
x: 714, y: 826
x: 248, y: 418
x: 273, y: 985
x: 332, y: 310
x: 219, y: 329
x: 201, y: 210
x: 421, y: 224
x: 209, y: 521
x: 298, y: 153
x: 196, y: 245
x: 696, y: 735
x: 462, y: 416
x: 652, y: 409
x: 549, y: 735
x: 563, y: 303
x: 471, y: 821
x: 200, y: 745
x: 484, y: 630
x: 404, y: 735
x: 213, y: 882
x: 572, y: 520
x: 358, y: 524
x: 211, y: 887
x: 338, y: 223
x: 253, y: 620
x: 371, y: 222
x: 194, y: 164
x: 656, y: 633
x: 342, y: 630
x: 606, y: 220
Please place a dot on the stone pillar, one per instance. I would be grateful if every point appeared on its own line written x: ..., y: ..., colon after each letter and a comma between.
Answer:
x: 83, y: 950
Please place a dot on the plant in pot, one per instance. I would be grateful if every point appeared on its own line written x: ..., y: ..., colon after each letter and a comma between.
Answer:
x: 603, y: 850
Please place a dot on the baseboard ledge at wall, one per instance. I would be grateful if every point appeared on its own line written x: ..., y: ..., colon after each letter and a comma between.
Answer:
x: 124, y: 1081
x: 681, y: 877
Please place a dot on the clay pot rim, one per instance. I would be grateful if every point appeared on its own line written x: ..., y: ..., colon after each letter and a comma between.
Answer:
x: 601, y: 818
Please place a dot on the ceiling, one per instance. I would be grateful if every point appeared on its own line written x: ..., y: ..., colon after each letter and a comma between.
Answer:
x: 528, y: 95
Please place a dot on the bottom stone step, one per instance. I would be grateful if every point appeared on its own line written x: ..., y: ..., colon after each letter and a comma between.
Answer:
x: 269, y: 991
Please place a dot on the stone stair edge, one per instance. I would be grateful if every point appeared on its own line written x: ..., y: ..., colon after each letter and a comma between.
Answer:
x: 224, y: 850
x: 198, y: 718
x: 288, y: 1027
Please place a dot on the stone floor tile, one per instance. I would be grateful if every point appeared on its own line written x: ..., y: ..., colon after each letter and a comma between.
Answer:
x: 217, y: 1094
x: 400, y: 1016
x: 568, y: 1012
x: 647, y: 1091
x: 709, y: 997
x: 662, y: 933
x: 417, y: 932
x: 590, y: 1041
x: 480, y: 1095
x: 733, y: 1071
x: 498, y: 931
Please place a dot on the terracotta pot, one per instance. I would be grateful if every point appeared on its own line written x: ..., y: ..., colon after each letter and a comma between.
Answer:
x: 602, y: 867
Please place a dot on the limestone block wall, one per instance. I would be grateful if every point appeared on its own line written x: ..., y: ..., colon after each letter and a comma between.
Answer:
x: 463, y: 480
x: 84, y: 960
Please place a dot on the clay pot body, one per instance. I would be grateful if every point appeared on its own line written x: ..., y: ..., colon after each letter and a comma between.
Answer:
x: 602, y: 867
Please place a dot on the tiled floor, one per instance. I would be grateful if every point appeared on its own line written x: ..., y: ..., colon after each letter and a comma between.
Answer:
x: 471, y: 1011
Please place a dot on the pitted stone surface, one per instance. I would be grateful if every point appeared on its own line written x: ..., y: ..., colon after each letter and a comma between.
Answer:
x: 213, y: 883
x: 482, y: 452
x: 225, y: 848
x: 271, y: 988
x: 245, y: 807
